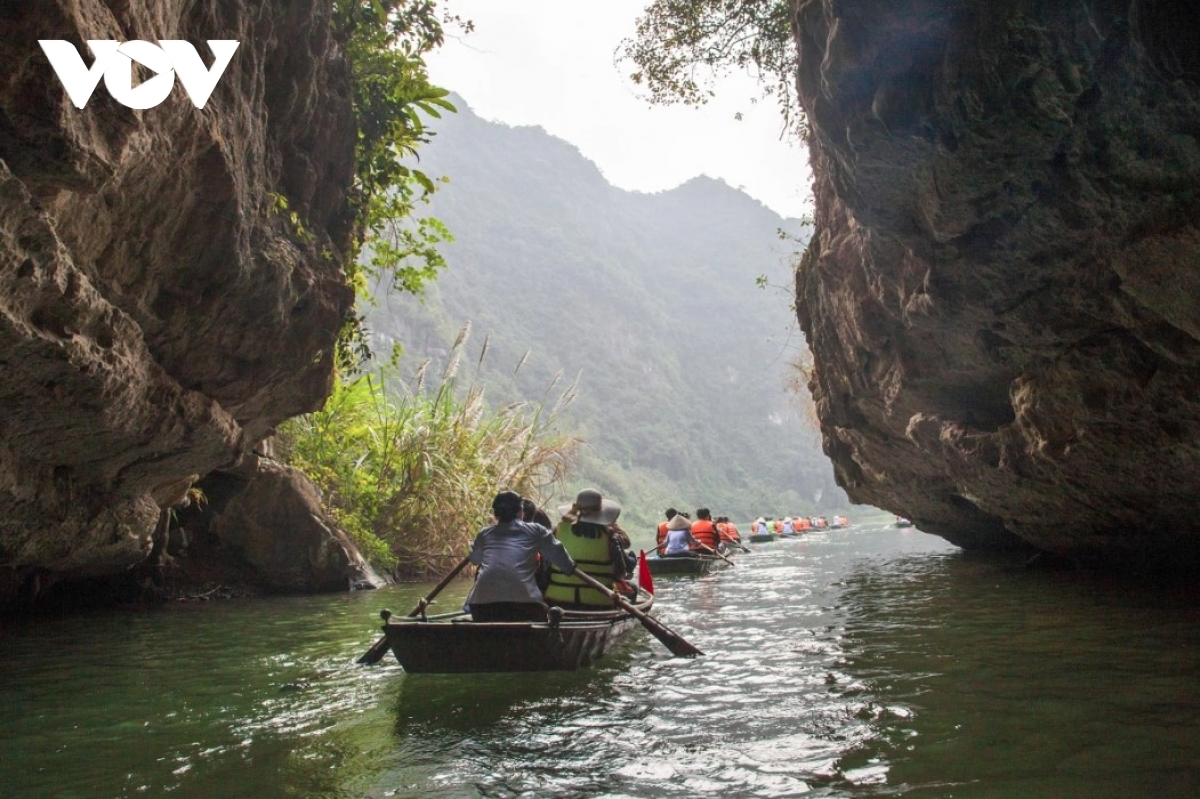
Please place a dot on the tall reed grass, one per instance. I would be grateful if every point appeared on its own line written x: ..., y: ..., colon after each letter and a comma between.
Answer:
x: 409, y: 470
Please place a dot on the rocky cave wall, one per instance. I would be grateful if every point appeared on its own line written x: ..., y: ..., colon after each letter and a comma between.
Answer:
x: 1003, y: 298
x: 158, y: 314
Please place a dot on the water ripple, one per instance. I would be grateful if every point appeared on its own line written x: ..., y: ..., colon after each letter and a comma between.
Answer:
x: 872, y: 663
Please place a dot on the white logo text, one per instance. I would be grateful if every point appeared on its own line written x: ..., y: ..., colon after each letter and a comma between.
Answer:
x: 114, y: 62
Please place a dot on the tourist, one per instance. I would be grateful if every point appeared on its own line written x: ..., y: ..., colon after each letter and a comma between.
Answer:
x: 532, y: 513
x: 622, y: 546
x: 705, y: 532
x: 728, y: 532
x: 661, y: 539
x: 507, y: 553
x: 590, y: 534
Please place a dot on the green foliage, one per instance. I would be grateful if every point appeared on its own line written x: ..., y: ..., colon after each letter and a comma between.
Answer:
x: 386, y: 42
x: 281, y: 207
x: 681, y: 46
x: 409, y: 476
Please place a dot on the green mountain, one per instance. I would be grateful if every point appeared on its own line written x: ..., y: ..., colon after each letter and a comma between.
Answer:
x: 650, y: 299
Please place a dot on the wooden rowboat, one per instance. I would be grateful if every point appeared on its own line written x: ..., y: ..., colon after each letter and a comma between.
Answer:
x: 451, y: 643
x: 683, y: 564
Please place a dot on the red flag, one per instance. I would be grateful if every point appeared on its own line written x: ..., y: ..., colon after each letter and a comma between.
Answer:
x: 644, y: 578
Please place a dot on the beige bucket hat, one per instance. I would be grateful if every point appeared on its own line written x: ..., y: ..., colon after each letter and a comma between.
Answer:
x: 590, y: 506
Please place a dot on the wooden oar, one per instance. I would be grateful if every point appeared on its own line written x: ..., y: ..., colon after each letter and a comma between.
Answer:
x: 380, y: 647
x: 670, y: 639
x: 706, y: 548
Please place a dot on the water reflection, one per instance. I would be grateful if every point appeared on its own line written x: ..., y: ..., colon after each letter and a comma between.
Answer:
x: 457, y: 703
x: 1007, y: 682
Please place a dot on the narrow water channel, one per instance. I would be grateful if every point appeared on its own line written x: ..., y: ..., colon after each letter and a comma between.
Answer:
x: 861, y: 663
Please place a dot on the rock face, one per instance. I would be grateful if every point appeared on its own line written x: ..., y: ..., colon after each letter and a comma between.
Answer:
x: 1003, y: 300
x: 159, y: 314
x: 275, y: 521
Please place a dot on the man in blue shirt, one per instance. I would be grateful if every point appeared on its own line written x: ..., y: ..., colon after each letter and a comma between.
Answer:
x: 506, y: 553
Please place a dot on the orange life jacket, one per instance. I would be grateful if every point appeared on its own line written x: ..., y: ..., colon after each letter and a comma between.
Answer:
x: 729, y: 532
x: 662, y: 536
x: 704, y: 532
x: 779, y: 525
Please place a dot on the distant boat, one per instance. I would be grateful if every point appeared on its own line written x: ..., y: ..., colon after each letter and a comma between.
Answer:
x: 761, y: 538
x: 903, y: 522
x: 451, y: 643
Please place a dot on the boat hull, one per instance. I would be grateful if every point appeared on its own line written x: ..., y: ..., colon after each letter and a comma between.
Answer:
x: 701, y: 564
x: 761, y: 538
x: 452, y: 643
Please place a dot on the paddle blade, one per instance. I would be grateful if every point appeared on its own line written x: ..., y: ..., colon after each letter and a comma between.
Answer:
x: 375, y: 653
x: 678, y: 646
x: 644, y: 579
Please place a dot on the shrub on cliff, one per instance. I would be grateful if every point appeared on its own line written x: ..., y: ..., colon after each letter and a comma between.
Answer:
x: 386, y: 42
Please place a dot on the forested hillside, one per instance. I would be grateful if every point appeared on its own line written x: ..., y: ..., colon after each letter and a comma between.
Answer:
x: 651, y: 299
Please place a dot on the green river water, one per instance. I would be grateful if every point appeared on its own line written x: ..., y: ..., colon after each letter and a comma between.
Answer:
x: 863, y: 663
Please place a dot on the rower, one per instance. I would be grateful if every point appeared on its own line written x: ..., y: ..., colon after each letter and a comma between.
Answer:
x: 679, y: 538
x: 661, y: 539
x: 506, y: 553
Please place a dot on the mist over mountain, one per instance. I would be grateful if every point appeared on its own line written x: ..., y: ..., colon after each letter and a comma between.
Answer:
x: 651, y: 299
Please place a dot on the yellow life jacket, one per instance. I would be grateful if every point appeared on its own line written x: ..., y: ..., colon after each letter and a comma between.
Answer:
x: 592, y: 556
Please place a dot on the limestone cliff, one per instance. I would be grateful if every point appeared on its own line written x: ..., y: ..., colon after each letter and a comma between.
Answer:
x: 1002, y: 301
x: 158, y: 313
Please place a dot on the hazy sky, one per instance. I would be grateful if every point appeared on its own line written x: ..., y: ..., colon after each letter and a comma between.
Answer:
x: 551, y: 63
